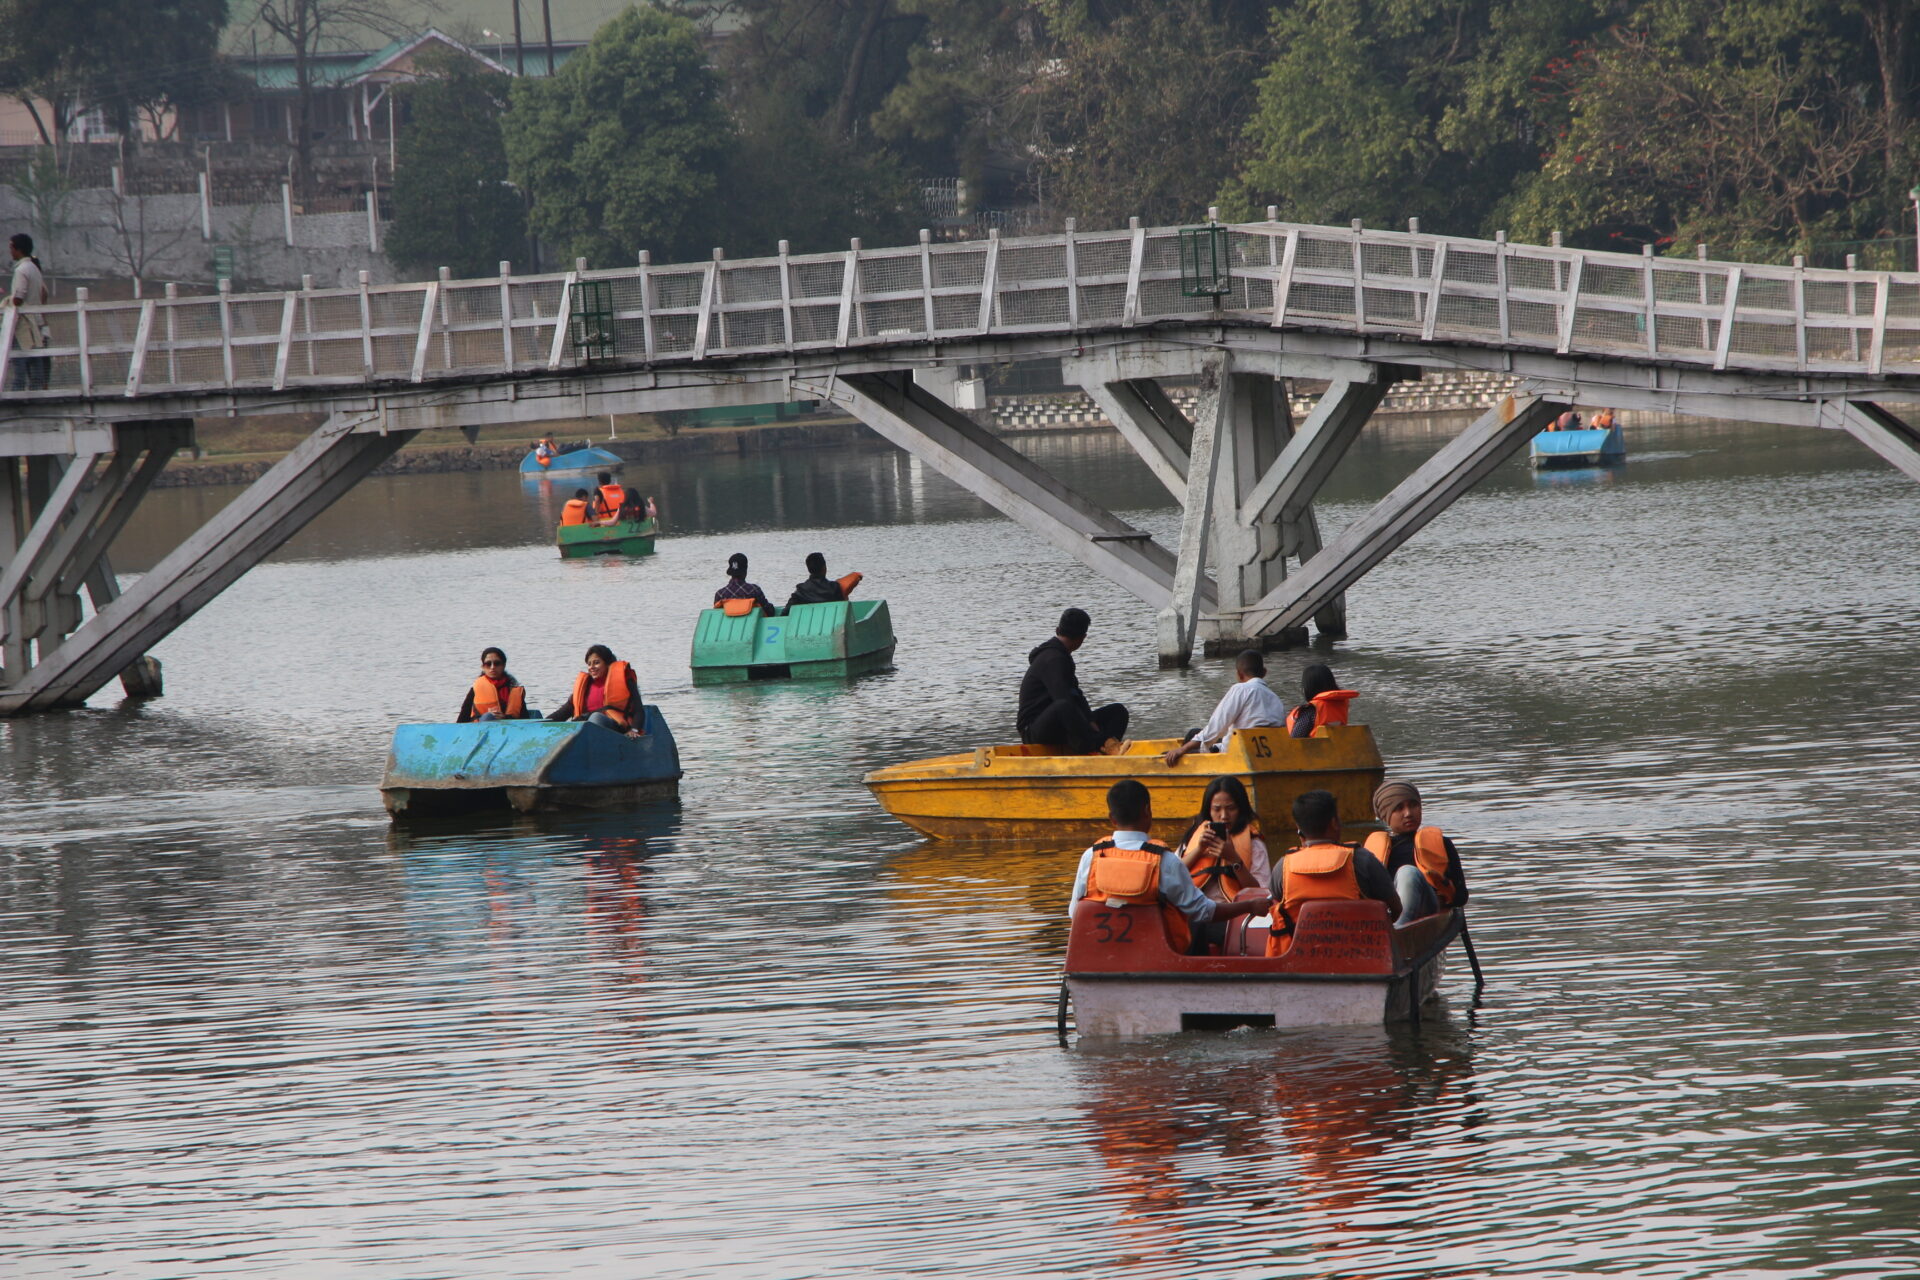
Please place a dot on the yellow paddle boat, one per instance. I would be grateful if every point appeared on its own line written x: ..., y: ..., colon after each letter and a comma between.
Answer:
x: 1044, y: 794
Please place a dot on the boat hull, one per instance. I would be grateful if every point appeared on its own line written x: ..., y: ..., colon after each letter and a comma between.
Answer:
x: 1348, y: 967
x: 1589, y: 447
x: 575, y: 462
x: 625, y: 538
x: 1044, y: 795
x: 527, y: 765
x: 808, y: 642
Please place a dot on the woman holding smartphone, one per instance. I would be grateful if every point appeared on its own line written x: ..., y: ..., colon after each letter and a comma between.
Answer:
x: 1223, y: 850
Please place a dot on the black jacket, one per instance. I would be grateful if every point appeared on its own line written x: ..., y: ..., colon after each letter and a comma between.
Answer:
x: 816, y: 591
x: 1050, y: 678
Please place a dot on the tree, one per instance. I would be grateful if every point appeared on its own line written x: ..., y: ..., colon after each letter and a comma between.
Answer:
x: 622, y: 150
x: 1742, y: 125
x: 308, y: 28
x: 452, y: 205
x: 121, y: 57
x: 1382, y: 109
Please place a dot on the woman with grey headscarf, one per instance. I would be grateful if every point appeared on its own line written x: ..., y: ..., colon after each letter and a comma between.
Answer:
x: 1422, y: 861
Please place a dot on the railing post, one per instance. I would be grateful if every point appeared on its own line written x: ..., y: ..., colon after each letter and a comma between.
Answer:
x: 561, y: 318
x: 206, y: 208
x: 283, y: 350
x: 1730, y: 305
x: 82, y: 338
x: 1359, y: 281
x: 423, y: 340
x: 1500, y: 279
x: 1647, y: 298
x: 1073, y: 276
x: 173, y: 358
x: 1882, y: 287
x: 9, y: 321
x: 646, y: 301
x: 286, y: 212
x: 1572, y: 303
x: 506, y: 315
x: 1136, y: 259
x: 1438, y: 280
x: 226, y: 332
x: 926, y: 279
x: 306, y: 321
x: 990, y: 279
x: 1800, y: 310
x: 709, y: 288
x: 137, y: 365
x: 373, y: 221
x: 366, y: 325
x: 1283, y: 287
x: 1853, y: 311
x: 848, y: 283
x: 786, y: 297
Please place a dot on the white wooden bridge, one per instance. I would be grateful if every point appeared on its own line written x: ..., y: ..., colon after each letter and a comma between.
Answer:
x: 883, y: 333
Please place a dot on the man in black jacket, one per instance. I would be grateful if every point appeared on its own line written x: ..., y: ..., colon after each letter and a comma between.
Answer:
x: 818, y: 588
x: 1053, y: 711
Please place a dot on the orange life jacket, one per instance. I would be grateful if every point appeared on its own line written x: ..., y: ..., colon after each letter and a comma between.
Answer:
x: 1429, y: 854
x: 739, y: 607
x: 575, y: 512
x: 617, y: 699
x: 545, y: 459
x: 848, y: 583
x: 486, y: 697
x: 1604, y: 420
x: 1208, y: 870
x: 1328, y: 708
x: 1119, y: 875
x: 608, y: 501
x: 1314, y: 872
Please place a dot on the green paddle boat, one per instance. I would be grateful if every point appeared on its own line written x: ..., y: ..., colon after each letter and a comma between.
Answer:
x: 807, y: 642
x: 622, y: 538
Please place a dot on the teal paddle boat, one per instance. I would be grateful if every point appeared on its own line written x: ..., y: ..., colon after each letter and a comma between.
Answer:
x: 621, y: 538
x: 807, y: 642
x: 582, y: 461
x: 1584, y: 447
x: 527, y: 765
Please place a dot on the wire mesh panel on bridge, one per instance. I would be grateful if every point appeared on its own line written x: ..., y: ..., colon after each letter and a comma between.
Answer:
x: 592, y: 324
x: 1203, y: 262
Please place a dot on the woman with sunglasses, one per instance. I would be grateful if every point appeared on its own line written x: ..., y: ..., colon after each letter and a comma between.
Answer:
x: 495, y: 695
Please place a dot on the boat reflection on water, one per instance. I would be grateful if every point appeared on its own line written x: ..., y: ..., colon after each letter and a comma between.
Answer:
x: 1577, y: 477
x: 1277, y: 1138
x: 499, y: 880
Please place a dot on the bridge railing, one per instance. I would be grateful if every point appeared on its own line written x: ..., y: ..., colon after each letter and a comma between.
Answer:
x: 1421, y: 287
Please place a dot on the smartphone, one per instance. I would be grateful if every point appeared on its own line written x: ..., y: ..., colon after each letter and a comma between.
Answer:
x: 1219, y: 829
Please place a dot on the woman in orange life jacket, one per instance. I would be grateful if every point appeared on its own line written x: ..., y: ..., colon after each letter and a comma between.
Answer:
x: 1321, y: 868
x: 605, y: 694
x: 495, y: 695
x: 1422, y: 861
x: 1222, y: 848
x: 1316, y: 680
x: 1131, y: 868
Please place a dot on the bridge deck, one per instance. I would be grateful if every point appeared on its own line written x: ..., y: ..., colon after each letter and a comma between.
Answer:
x: 1432, y: 289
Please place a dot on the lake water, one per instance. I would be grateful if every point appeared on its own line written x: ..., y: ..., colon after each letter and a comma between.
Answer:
x: 249, y: 1029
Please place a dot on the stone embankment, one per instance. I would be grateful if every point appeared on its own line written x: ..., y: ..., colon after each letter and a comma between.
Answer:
x: 429, y: 460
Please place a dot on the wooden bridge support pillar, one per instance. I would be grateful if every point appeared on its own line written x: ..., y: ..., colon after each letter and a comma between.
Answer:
x: 65, y: 545
x: 1459, y: 465
x: 987, y: 466
x: 64, y: 496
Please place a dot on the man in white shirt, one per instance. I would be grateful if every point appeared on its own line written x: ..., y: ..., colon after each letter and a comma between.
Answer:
x: 1250, y: 704
x: 29, y: 290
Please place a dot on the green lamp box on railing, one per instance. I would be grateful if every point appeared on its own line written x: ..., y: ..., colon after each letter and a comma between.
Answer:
x: 592, y: 327
x: 1203, y: 262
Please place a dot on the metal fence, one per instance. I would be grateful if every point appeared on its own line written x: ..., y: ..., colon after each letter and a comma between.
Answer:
x: 1411, y: 286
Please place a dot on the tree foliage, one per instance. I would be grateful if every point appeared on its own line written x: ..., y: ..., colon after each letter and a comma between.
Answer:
x: 622, y: 150
x: 452, y: 205
x: 122, y: 57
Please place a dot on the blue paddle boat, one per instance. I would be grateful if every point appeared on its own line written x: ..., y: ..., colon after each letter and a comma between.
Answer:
x: 585, y: 461
x: 527, y: 765
x: 1584, y: 447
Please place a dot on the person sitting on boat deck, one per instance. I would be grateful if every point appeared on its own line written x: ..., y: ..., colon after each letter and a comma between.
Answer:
x: 631, y: 511
x: 1222, y: 849
x: 1053, y: 711
x: 1323, y: 867
x: 818, y: 588
x: 1568, y: 421
x: 1250, y: 704
x: 605, y: 694
x: 546, y: 451
x: 495, y: 695
x: 1422, y: 861
x: 738, y: 588
x: 608, y: 497
x: 1315, y: 682
x: 1130, y: 867
x: 1603, y: 420
x: 579, y: 508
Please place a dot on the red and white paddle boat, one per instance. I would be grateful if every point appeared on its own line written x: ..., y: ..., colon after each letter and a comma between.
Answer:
x: 1348, y: 965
